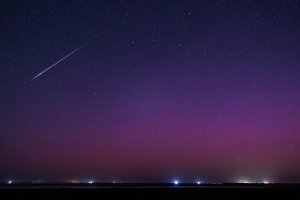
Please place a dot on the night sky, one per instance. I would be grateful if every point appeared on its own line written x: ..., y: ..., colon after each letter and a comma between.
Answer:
x: 164, y: 90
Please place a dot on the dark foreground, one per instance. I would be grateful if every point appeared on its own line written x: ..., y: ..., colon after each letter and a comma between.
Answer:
x: 151, y: 191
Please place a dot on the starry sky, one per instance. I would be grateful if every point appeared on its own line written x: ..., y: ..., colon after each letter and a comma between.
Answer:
x: 198, y: 90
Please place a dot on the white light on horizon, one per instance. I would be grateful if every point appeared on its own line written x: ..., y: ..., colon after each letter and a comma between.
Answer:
x: 176, y: 182
x: 198, y: 182
x: 90, y: 182
x: 9, y: 182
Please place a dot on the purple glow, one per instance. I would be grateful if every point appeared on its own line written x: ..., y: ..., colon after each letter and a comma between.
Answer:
x: 188, y: 90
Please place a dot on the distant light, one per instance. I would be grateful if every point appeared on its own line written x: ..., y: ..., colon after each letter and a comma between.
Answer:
x: 266, y: 182
x: 176, y: 182
x: 90, y: 182
x: 9, y: 182
x: 198, y: 182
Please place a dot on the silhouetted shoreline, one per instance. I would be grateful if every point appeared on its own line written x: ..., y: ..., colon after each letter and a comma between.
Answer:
x: 146, y: 185
x: 151, y: 190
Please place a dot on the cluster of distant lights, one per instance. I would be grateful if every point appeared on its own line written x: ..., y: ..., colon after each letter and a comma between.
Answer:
x: 254, y: 182
x: 175, y: 182
x: 91, y: 182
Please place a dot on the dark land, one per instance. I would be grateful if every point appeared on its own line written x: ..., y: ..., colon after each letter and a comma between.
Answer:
x: 151, y: 190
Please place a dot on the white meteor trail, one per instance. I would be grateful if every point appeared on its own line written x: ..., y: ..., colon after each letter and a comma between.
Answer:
x: 64, y: 58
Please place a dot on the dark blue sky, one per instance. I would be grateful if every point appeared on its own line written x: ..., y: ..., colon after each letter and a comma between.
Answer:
x: 187, y: 90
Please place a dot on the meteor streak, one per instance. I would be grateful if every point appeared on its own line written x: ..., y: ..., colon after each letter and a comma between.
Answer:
x: 64, y: 58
